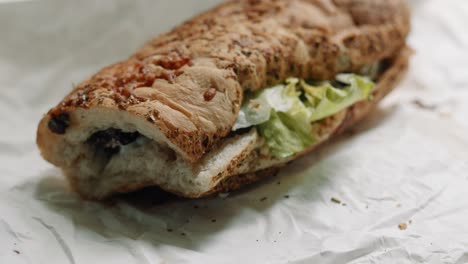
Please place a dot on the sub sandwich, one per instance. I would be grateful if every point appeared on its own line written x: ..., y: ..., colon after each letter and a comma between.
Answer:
x: 228, y: 97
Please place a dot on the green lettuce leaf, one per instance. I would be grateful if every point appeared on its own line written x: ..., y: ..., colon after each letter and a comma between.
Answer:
x: 254, y: 112
x: 282, y: 139
x: 325, y: 100
x: 281, y: 99
x: 297, y: 116
x: 284, y: 114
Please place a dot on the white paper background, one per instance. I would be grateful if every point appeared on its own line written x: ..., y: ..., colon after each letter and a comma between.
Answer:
x: 404, y: 163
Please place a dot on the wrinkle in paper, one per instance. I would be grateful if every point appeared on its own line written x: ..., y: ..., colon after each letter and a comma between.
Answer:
x: 406, y: 164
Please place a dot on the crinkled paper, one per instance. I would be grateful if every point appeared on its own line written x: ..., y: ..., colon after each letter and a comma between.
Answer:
x: 394, y: 190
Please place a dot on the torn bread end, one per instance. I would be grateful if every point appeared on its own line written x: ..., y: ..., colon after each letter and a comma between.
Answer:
x: 121, y: 155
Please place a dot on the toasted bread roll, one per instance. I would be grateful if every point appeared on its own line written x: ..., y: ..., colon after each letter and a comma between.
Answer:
x: 164, y: 116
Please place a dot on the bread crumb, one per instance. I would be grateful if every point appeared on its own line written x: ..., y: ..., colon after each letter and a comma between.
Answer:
x: 398, y: 205
x: 422, y: 105
x: 16, y: 251
x: 286, y: 196
x: 263, y: 199
x: 410, y: 222
x: 335, y: 200
x: 402, y: 226
x: 213, y: 220
x: 169, y: 230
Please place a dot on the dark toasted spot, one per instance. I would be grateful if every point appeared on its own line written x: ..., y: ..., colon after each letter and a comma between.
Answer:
x: 58, y: 124
x: 171, y: 155
x: 206, y: 142
x: 111, y: 139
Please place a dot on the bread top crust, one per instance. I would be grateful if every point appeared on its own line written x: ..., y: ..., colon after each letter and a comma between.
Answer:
x: 189, y: 82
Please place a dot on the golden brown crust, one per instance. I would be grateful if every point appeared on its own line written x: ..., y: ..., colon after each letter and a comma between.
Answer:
x: 238, y: 181
x: 197, y: 73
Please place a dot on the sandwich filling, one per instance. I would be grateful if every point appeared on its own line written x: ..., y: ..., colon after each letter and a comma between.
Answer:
x: 284, y: 115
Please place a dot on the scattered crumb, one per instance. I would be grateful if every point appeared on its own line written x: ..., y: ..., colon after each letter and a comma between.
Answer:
x: 367, y: 206
x: 169, y: 230
x: 335, y: 200
x: 286, y: 196
x: 343, y: 204
x: 16, y: 251
x: 279, y: 233
x: 402, y: 226
x: 274, y: 241
x: 398, y: 205
x: 196, y: 206
x: 256, y: 240
x: 278, y: 183
x: 263, y: 199
x: 182, y: 234
x: 422, y: 105
x: 410, y: 222
x: 213, y: 220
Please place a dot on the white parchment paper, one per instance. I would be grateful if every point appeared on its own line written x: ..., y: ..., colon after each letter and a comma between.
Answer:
x: 401, y: 177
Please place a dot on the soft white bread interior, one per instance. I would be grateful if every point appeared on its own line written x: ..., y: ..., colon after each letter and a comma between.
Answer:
x: 146, y: 161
